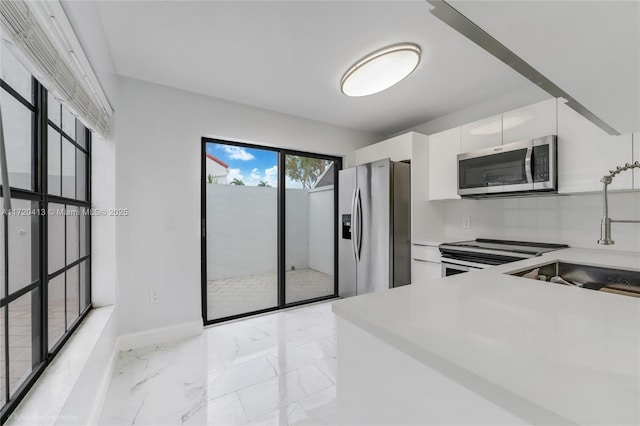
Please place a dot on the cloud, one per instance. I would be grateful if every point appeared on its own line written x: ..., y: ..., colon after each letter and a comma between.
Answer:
x: 237, y: 153
x: 254, y: 178
x: 271, y: 176
x: 234, y: 173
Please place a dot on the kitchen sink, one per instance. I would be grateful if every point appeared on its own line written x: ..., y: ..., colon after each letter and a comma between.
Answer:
x: 611, y: 280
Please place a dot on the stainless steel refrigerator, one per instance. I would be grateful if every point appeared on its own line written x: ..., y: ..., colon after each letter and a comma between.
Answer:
x: 374, y: 244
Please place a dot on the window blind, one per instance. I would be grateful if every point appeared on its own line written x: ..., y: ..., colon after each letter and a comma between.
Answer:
x: 56, y: 58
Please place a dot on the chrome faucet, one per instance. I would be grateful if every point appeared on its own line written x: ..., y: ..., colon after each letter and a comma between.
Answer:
x: 605, y: 223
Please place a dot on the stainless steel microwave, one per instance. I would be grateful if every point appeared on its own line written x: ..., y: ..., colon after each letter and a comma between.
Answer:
x: 528, y: 166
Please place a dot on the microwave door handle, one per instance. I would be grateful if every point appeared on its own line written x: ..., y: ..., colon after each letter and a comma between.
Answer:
x: 528, y: 166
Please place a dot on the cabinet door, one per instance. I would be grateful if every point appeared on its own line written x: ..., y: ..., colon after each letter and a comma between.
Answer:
x: 532, y: 121
x: 636, y: 157
x: 481, y: 134
x: 419, y: 183
x: 397, y: 149
x: 586, y: 153
x: 444, y: 148
x: 423, y: 271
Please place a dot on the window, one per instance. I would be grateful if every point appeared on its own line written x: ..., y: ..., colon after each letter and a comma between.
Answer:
x: 45, y: 257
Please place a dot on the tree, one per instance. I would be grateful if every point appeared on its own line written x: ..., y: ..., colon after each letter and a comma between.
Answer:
x: 236, y: 181
x: 264, y: 183
x: 304, y: 169
x: 210, y: 178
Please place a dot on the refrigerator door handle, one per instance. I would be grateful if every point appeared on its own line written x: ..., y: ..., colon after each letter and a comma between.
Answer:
x: 354, y: 233
x: 359, y: 222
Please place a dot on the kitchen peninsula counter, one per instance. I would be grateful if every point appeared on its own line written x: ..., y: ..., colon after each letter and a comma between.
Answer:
x: 489, y: 348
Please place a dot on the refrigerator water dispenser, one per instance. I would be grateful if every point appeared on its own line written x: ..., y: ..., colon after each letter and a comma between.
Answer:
x: 346, y: 226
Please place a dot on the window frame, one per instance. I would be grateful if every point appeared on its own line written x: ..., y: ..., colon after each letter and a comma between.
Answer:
x: 41, y: 355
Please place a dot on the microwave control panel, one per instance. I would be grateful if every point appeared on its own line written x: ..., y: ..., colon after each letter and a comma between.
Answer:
x: 540, y: 163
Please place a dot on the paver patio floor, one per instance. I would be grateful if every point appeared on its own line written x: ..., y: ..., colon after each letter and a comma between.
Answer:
x: 238, y: 295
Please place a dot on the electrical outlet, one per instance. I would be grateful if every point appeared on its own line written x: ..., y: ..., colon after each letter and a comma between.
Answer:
x: 169, y: 224
x: 466, y: 222
x: 153, y: 297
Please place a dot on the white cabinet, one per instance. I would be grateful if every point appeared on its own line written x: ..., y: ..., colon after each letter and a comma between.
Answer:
x: 425, y: 263
x: 586, y: 153
x: 423, y: 271
x: 636, y: 157
x: 481, y: 134
x: 532, y: 121
x: 397, y: 149
x: 426, y: 217
x: 444, y: 148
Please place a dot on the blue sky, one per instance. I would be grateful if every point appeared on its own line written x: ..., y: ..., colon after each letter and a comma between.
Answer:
x: 250, y: 165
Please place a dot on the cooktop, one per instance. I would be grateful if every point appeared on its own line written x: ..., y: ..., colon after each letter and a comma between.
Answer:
x: 495, y: 252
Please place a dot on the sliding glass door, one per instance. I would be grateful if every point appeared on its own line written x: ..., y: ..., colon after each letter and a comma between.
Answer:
x: 241, y: 200
x: 309, y: 228
x: 268, y: 228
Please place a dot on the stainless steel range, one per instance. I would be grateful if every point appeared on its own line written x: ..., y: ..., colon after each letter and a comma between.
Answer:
x: 481, y: 253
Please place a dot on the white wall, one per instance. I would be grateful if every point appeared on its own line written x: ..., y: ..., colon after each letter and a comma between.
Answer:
x: 571, y: 219
x: 321, y: 220
x: 158, y: 178
x: 84, y: 17
x: 296, y: 229
x: 242, y: 233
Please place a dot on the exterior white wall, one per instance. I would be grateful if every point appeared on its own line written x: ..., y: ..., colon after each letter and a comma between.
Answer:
x: 216, y: 170
x: 242, y: 235
x: 242, y: 230
x: 158, y: 179
x: 297, y: 229
x: 321, y: 219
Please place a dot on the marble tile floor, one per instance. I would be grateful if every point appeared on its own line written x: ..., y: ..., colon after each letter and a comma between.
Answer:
x: 239, y: 295
x: 274, y: 369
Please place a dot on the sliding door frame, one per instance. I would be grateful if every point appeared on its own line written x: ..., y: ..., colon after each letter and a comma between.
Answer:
x: 281, y: 227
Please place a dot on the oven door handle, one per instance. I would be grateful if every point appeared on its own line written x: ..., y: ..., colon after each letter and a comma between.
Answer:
x: 528, y: 165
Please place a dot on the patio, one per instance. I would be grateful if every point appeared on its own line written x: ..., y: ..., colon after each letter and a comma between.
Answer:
x: 238, y: 295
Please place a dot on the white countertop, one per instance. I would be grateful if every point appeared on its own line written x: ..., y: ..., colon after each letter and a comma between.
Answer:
x: 572, y: 352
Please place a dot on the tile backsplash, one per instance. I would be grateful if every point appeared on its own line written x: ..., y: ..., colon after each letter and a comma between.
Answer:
x: 568, y: 219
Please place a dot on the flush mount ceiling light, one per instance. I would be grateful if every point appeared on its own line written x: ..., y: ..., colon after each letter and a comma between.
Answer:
x: 381, y: 69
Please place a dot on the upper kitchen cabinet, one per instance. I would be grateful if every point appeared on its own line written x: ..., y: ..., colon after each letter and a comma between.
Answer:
x: 636, y: 157
x: 426, y: 218
x: 481, y: 134
x: 444, y: 148
x: 397, y: 149
x: 586, y: 153
x: 529, y: 122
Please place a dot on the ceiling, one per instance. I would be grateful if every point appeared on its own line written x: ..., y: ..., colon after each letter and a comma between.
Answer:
x: 289, y: 56
x: 591, y: 49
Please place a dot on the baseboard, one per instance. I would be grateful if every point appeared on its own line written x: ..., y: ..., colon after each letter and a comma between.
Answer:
x: 159, y: 335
